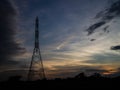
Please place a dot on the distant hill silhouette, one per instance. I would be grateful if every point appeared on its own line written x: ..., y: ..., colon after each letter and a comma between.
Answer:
x: 79, y: 81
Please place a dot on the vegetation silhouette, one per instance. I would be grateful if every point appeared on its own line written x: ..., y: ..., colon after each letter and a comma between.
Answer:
x: 79, y: 81
x: 14, y: 78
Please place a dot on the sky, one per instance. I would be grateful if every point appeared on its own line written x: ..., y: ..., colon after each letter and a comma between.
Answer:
x: 75, y: 36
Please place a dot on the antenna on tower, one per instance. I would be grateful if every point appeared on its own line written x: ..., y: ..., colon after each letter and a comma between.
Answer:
x: 36, y: 69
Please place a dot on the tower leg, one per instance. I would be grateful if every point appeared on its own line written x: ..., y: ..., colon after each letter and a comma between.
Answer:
x: 36, y: 70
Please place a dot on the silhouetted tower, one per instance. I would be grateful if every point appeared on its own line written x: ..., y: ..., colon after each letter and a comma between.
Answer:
x: 36, y: 69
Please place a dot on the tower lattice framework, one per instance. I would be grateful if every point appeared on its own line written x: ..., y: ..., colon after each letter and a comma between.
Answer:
x: 36, y: 69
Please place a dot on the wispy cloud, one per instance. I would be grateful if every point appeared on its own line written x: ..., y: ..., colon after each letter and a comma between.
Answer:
x: 105, y: 17
x: 8, y: 47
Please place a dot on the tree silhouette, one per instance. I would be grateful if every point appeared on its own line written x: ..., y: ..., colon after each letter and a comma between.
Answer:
x: 81, y: 75
x: 14, y: 78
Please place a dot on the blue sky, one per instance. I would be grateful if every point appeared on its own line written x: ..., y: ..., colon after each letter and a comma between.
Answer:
x: 63, y: 39
x: 65, y: 44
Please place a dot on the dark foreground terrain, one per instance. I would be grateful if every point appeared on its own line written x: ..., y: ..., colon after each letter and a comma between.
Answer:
x: 77, y: 82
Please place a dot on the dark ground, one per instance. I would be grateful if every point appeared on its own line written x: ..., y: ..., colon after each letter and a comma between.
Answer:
x: 79, y: 81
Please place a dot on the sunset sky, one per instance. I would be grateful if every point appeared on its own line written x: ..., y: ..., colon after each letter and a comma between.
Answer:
x: 75, y: 36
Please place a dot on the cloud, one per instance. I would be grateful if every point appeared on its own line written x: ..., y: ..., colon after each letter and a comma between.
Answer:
x: 105, y: 16
x: 92, y: 39
x: 8, y: 46
x: 96, y: 71
x: 73, y: 70
x: 95, y: 26
x: 105, y: 28
x: 105, y: 58
x: 115, y: 47
x: 116, y: 73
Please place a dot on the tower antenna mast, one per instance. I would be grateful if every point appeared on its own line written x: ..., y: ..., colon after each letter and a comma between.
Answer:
x: 36, y: 69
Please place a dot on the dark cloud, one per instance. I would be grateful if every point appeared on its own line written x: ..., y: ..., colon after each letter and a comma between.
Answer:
x: 91, y: 29
x: 8, y: 46
x: 92, y: 39
x: 105, y: 28
x: 115, y: 47
x: 96, y: 70
x: 105, y: 16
